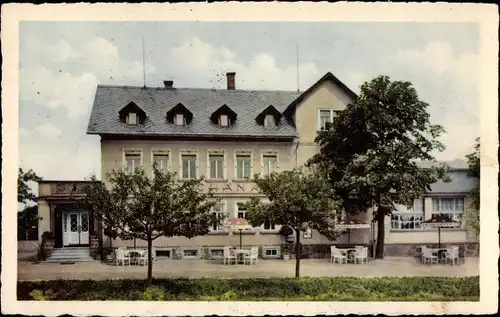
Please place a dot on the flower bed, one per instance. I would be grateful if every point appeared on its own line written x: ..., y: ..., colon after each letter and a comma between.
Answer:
x: 285, y: 289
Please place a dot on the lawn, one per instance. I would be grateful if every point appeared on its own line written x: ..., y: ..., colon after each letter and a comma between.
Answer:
x: 269, y: 289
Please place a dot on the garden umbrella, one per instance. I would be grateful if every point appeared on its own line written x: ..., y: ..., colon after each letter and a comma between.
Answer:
x: 238, y: 224
x: 440, y: 221
x: 349, y: 223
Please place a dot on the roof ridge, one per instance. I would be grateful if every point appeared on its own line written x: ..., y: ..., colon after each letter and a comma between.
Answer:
x: 196, y: 88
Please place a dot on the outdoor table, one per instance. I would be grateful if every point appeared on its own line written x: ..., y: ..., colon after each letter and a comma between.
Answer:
x: 441, y: 252
x: 349, y: 252
x: 134, y: 253
x: 240, y: 253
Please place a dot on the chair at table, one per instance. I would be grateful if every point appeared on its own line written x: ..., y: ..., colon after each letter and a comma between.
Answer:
x: 429, y: 257
x: 229, y: 255
x: 178, y: 253
x: 142, y: 258
x: 452, y: 254
x: 121, y: 257
x: 422, y: 248
x: 251, y: 256
x: 337, y: 255
x: 361, y: 255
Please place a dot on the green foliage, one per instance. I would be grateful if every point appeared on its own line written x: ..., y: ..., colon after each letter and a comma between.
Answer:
x: 298, y: 199
x: 472, y: 215
x: 137, y: 206
x: 24, y: 194
x: 370, y: 151
x: 298, y: 289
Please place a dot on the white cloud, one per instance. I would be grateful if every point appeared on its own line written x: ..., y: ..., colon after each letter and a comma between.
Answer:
x: 202, y: 63
x: 48, y: 130
x: 62, y: 51
x: 439, y: 58
x: 44, y: 87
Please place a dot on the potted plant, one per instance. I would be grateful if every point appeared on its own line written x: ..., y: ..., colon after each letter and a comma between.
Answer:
x: 47, y: 244
x: 94, y: 244
x: 285, y: 250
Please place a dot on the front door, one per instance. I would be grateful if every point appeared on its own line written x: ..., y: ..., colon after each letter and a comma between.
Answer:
x: 76, y: 229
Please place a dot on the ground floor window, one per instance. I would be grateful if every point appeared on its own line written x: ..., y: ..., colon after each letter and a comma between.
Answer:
x: 452, y: 207
x: 271, y: 252
x: 408, y: 218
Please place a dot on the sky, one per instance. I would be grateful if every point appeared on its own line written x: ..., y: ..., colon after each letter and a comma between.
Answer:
x: 61, y: 63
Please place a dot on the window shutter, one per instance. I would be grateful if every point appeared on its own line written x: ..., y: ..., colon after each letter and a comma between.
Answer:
x: 224, y: 172
x: 262, y: 164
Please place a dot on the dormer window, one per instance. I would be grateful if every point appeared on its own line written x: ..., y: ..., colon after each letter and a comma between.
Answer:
x: 223, y: 120
x: 179, y: 115
x: 132, y: 118
x: 132, y: 114
x: 269, y: 117
x: 269, y: 121
x: 223, y: 116
x: 179, y: 119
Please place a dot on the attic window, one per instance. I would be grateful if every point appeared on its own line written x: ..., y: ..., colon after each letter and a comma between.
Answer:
x: 132, y: 118
x: 223, y: 120
x: 179, y: 119
x: 269, y: 121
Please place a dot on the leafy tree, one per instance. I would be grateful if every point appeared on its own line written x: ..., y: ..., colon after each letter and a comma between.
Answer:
x: 28, y: 214
x: 297, y: 199
x: 474, y: 171
x: 137, y: 206
x: 370, y: 152
x: 24, y: 194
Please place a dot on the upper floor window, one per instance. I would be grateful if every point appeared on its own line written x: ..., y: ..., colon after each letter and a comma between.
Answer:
x: 179, y: 119
x: 268, y: 225
x: 160, y: 159
x: 453, y: 207
x: 269, y: 121
x: 325, y: 117
x: 132, y: 161
x: 269, y: 163
x: 223, y: 120
x: 188, y: 165
x: 132, y: 118
x: 216, y: 165
x: 243, y: 165
x: 409, y: 218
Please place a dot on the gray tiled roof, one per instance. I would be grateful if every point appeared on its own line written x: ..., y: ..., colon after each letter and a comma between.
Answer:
x: 109, y: 100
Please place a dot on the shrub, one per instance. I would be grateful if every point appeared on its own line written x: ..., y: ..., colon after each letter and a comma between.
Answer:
x: 296, y: 289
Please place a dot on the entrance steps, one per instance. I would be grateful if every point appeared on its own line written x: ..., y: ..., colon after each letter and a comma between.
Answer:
x: 70, y: 254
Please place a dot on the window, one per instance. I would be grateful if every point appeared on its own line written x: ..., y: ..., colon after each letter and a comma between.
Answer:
x: 218, y: 209
x: 325, y: 118
x: 269, y: 121
x: 132, y: 118
x: 132, y: 161
x: 188, y: 162
x: 269, y: 163
x: 179, y: 119
x: 409, y: 219
x: 243, y: 166
x: 268, y: 225
x: 163, y: 253
x: 271, y: 252
x: 216, y: 165
x: 161, y: 161
x: 241, y: 211
x: 452, y: 207
x: 223, y: 120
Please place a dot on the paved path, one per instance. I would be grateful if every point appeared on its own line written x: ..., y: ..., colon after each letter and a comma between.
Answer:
x: 390, y: 266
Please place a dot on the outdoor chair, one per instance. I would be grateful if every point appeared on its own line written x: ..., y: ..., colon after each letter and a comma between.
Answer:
x: 142, y: 259
x: 178, y: 253
x: 361, y: 255
x: 121, y: 258
x: 429, y: 257
x: 228, y: 256
x: 452, y: 255
x: 337, y: 256
x: 422, y: 249
x: 252, y: 256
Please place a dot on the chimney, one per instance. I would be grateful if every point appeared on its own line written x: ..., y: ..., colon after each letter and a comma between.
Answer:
x: 230, y: 81
x: 168, y: 83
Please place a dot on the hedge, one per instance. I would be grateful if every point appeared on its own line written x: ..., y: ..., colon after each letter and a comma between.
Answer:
x: 211, y: 289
